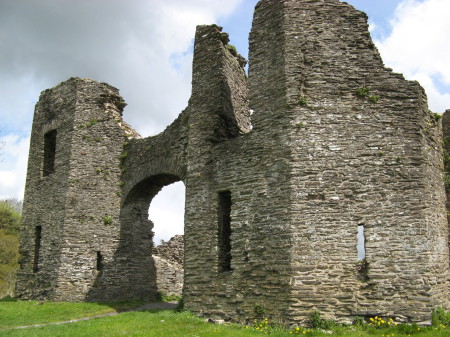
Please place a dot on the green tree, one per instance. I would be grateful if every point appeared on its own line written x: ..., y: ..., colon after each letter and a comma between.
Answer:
x: 9, y: 247
x: 10, y: 216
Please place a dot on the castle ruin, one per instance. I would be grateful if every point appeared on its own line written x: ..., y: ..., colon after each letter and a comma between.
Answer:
x: 281, y: 169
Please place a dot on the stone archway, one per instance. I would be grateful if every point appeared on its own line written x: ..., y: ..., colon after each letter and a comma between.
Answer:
x: 136, y: 248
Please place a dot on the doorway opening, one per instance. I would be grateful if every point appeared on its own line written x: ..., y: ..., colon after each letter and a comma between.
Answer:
x: 137, y: 253
x: 166, y: 212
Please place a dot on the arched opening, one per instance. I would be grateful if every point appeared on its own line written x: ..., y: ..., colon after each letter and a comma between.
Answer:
x: 166, y: 212
x: 132, y: 272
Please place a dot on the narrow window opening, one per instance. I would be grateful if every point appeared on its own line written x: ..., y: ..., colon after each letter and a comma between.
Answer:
x: 37, y: 247
x: 99, y: 265
x: 361, y: 245
x: 49, y: 152
x: 224, y: 231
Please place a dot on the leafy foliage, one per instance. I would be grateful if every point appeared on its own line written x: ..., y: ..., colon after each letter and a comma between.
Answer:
x: 362, y: 92
x: 440, y: 317
x: 107, y: 220
x: 374, y: 98
x: 232, y: 49
x: 437, y: 117
x: 259, y: 310
x: 9, y: 247
x: 9, y: 218
x: 318, y: 322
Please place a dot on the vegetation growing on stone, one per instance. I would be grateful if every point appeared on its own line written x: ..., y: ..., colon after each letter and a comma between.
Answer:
x: 302, y: 101
x: 447, y: 180
x: 317, y: 322
x: 362, y: 92
x: 259, y: 310
x: 92, y: 122
x: 123, y: 156
x: 232, y: 49
x: 107, y: 220
x: 374, y: 98
x: 444, y: 150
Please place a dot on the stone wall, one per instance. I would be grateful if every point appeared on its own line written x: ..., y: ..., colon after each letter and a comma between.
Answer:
x: 446, y: 148
x: 169, y: 259
x: 172, y: 250
x: 386, y: 172
x: 76, y: 205
x: 336, y: 143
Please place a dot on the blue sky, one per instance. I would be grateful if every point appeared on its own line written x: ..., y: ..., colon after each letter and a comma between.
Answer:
x: 379, y: 11
x: 144, y: 47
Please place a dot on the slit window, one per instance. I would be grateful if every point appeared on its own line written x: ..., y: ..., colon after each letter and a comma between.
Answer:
x: 99, y: 263
x: 361, y: 245
x: 224, y: 232
x: 37, y: 248
x: 49, y: 152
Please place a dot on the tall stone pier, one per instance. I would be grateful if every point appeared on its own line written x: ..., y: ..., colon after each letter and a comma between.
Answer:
x: 315, y: 184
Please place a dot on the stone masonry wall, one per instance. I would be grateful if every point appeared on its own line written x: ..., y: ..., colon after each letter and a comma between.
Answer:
x: 446, y: 147
x: 337, y: 143
x: 169, y: 259
x: 45, y: 195
x: 386, y: 173
x: 172, y: 250
x: 147, y: 166
x: 77, y: 206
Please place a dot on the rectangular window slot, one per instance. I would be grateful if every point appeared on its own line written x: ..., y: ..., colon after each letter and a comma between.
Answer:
x: 99, y: 264
x: 224, y: 232
x: 361, y: 245
x: 37, y: 248
x: 49, y: 152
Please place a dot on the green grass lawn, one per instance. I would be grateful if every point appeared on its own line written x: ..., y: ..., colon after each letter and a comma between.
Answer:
x: 155, y: 323
x: 32, y: 312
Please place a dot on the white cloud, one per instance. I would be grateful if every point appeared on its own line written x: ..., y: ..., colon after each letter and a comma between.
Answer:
x: 13, y: 166
x: 437, y: 100
x: 419, y: 46
x: 127, y: 44
x: 142, y: 47
x: 167, y: 212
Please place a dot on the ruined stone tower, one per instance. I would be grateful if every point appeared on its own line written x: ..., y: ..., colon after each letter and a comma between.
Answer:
x: 336, y: 144
x: 72, y: 194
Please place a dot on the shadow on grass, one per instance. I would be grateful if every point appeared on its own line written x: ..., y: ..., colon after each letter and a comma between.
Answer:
x: 122, y: 305
x: 8, y: 299
x: 140, y: 306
